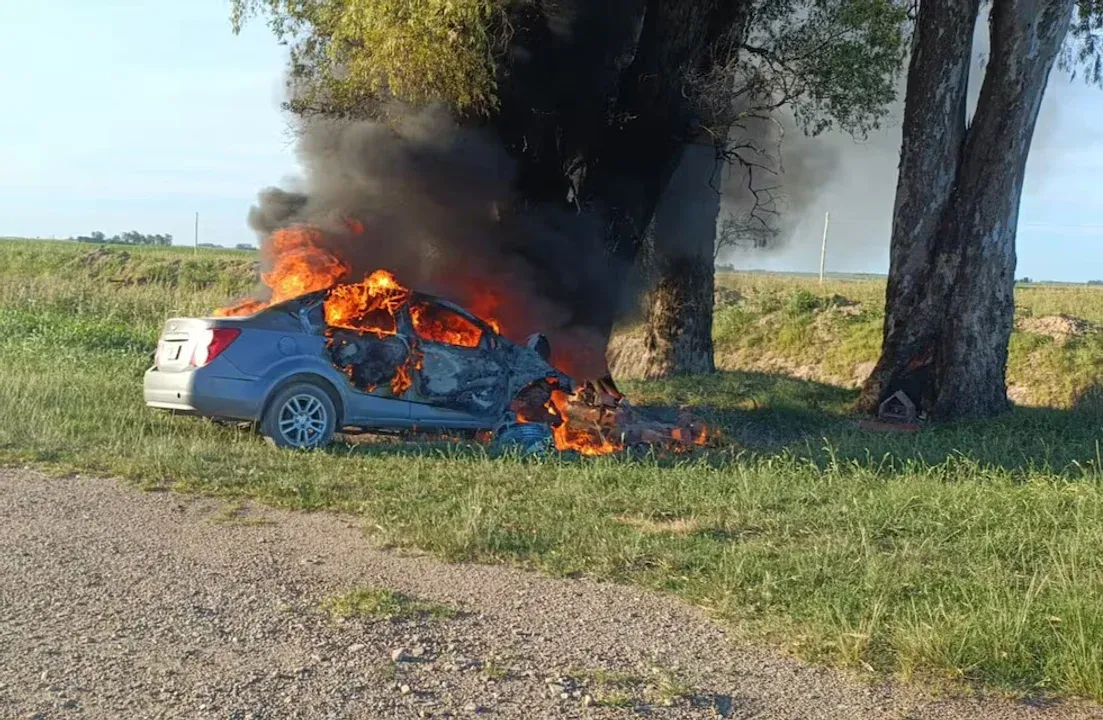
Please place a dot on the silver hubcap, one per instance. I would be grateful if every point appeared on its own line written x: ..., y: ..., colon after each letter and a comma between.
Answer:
x: 303, y: 420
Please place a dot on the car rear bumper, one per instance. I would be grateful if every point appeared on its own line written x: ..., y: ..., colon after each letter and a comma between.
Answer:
x: 203, y: 392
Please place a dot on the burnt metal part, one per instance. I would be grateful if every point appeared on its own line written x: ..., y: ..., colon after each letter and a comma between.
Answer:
x: 467, y: 379
x: 540, y: 345
x: 526, y: 366
x: 531, y: 404
x: 481, y: 381
x: 369, y: 360
x: 602, y: 390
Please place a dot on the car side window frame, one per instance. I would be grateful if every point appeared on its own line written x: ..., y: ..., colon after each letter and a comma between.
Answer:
x: 486, y: 333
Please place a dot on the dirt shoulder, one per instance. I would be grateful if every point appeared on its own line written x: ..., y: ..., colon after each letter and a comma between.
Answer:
x: 121, y: 604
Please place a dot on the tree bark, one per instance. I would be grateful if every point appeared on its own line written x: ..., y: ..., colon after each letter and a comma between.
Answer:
x: 949, y: 301
x: 679, y: 328
x: 644, y: 142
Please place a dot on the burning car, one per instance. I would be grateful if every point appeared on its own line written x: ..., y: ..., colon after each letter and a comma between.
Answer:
x: 369, y: 356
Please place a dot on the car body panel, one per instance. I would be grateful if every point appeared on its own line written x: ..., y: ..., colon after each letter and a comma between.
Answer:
x: 455, y: 387
x: 471, y: 380
x: 218, y: 390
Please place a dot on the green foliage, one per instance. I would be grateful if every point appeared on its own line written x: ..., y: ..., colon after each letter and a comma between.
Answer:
x: 732, y: 321
x: 347, y: 55
x: 68, y: 277
x: 131, y: 237
x: 803, y: 302
x: 75, y: 332
x: 832, y: 333
x: 1083, y: 50
x: 835, y: 63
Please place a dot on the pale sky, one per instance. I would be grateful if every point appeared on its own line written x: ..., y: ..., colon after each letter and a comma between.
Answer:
x: 134, y: 114
x: 1060, y: 217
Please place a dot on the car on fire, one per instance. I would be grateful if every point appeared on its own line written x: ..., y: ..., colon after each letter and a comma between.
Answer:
x: 430, y: 365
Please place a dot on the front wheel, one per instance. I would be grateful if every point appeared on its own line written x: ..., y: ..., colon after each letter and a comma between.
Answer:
x: 300, y: 416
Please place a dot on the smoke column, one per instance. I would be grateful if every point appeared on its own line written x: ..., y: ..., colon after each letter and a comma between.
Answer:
x: 434, y: 203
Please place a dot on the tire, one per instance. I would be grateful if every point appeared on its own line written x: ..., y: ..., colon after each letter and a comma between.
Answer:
x: 300, y: 416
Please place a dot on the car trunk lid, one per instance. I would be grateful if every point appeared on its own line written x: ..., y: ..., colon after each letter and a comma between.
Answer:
x: 179, y: 341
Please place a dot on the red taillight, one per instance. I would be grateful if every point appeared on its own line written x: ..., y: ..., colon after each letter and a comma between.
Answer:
x: 217, y: 340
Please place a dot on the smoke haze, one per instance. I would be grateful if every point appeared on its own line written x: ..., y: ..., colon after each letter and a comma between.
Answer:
x: 436, y: 207
x: 855, y: 180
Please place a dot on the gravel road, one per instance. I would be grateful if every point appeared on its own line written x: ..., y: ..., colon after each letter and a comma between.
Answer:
x: 120, y: 604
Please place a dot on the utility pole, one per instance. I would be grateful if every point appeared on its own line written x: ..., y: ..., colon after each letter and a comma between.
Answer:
x: 197, y: 233
x: 823, y: 250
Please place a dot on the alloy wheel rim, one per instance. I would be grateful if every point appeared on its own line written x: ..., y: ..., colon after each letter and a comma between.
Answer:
x: 302, y: 420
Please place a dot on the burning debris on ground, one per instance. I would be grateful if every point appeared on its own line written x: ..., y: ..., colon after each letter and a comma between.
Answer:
x: 596, y: 422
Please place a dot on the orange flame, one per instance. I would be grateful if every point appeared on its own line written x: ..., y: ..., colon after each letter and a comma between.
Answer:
x: 602, y: 424
x: 245, y: 307
x: 446, y: 327
x: 367, y: 306
x: 302, y: 266
x: 699, y: 436
x: 586, y: 440
x: 486, y: 304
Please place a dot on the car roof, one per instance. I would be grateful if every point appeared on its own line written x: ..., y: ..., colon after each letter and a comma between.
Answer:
x: 414, y: 295
x: 458, y: 309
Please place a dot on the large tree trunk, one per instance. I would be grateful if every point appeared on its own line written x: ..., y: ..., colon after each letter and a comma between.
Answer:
x: 643, y: 146
x: 679, y: 328
x: 630, y: 165
x: 949, y: 302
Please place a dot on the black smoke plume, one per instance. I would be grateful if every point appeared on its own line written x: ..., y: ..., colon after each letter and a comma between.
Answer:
x: 435, y: 204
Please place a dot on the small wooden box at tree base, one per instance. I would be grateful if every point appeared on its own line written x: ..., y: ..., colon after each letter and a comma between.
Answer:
x: 897, y: 414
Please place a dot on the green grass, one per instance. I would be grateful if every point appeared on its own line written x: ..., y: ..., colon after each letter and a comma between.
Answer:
x: 371, y: 603
x: 971, y: 552
x: 235, y: 512
x: 796, y: 327
x: 612, y: 688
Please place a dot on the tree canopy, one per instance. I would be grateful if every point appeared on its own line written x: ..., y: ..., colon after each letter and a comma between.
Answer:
x: 1083, y: 52
x: 835, y: 61
x: 130, y: 237
x: 345, y: 54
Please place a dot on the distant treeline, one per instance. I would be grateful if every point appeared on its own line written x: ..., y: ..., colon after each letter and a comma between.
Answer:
x: 132, y: 237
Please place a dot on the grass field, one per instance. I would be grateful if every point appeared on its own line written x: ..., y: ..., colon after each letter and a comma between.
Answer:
x: 833, y: 334
x: 970, y: 552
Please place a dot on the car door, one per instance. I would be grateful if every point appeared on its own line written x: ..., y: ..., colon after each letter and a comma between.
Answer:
x: 376, y: 403
x: 370, y: 405
x: 459, y: 376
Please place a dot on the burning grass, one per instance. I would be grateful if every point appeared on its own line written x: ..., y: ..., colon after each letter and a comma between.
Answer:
x: 969, y: 552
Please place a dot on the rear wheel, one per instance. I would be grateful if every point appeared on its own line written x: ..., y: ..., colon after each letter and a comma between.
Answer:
x: 300, y: 416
